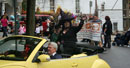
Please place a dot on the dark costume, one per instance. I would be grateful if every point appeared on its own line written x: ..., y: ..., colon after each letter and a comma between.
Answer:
x: 125, y: 39
x: 68, y: 34
x: 69, y: 38
x: 117, y: 39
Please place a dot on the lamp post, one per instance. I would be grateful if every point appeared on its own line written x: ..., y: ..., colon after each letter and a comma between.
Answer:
x: 15, y: 16
x: 96, y: 8
x: 14, y: 2
x: 103, y: 6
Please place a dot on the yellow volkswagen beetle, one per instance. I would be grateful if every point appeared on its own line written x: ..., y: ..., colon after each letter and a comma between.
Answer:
x: 22, y: 51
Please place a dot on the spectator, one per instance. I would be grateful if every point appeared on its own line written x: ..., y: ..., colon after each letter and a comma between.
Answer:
x: 51, y: 28
x: 5, y: 14
x: 97, y: 20
x: 55, y: 35
x: 90, y: 18
x: 117, y: 39
x: 37, y: 31
x: 39, y: 21
x: 4, y: 22
x: 21, y: 29
x: 126, y: 38
x: 107, y: 31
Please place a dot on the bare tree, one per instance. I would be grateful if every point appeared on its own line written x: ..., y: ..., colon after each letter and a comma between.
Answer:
x: 30, y: 25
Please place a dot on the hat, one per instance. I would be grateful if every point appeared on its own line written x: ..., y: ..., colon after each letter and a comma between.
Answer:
x: 66, y: 16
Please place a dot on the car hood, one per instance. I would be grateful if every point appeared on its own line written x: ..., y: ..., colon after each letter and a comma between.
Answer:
x: 6, y: 63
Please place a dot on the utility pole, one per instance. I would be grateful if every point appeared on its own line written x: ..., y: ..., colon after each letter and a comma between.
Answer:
x: 90, y: 5
x: 77, y: 6
x: 16, y: 30
x: 96, y: 8
x: 15, y: 16
x: 52, y: 5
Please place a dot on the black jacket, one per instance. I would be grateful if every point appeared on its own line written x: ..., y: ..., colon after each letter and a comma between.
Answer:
x: 71, y: 34
x: 56, y: 56
x: 107, y: 25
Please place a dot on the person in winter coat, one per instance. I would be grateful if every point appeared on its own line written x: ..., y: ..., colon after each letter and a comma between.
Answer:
x: 68, y: 35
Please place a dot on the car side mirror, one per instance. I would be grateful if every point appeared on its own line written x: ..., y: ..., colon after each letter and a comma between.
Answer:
x: 44, y: 58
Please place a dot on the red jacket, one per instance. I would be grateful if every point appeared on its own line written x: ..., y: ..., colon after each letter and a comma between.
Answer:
x: 44, y: 24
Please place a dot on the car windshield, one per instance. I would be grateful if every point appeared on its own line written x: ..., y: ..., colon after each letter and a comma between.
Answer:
x: 17, y: 48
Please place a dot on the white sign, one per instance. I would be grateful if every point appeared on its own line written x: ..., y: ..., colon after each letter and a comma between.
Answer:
x: 90, y: 30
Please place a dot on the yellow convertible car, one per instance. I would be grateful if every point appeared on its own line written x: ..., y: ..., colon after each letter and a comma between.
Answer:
x: 22, y: 51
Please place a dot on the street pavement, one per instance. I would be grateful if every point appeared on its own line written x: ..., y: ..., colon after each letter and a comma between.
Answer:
x: 117, y: 57
x: 1, y: 34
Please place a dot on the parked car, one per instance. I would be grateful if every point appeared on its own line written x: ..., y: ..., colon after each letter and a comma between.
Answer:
x: 21, y: 51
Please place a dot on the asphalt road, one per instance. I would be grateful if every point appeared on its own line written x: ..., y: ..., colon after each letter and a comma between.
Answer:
x: 117, y: 57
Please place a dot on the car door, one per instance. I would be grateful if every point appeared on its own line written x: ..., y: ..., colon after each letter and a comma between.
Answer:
x: 77, y: 62
x: 57, y: 63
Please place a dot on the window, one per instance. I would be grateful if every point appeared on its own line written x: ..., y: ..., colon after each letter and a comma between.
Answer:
x: 115, y: 26
x: 18, y: 47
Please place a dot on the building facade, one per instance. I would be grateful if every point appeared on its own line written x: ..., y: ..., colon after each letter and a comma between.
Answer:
x: 126, y: 14
x: 8, y: 6
x: 112, y: 8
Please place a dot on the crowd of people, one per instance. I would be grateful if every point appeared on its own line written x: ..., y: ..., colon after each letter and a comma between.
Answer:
x: 122, y: 39
x: 8, y: 26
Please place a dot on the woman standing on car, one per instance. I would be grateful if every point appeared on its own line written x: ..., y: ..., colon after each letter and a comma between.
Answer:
x: 4, y: 22
x: 68, y: 36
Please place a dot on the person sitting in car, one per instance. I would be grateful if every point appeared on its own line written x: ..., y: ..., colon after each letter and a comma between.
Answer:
x: 52, y: 48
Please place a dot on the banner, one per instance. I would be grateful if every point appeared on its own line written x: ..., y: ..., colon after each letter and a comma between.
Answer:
x: 90, y: 30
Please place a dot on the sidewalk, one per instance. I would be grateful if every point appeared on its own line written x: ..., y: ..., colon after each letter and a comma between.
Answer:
x: 1, y: 33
